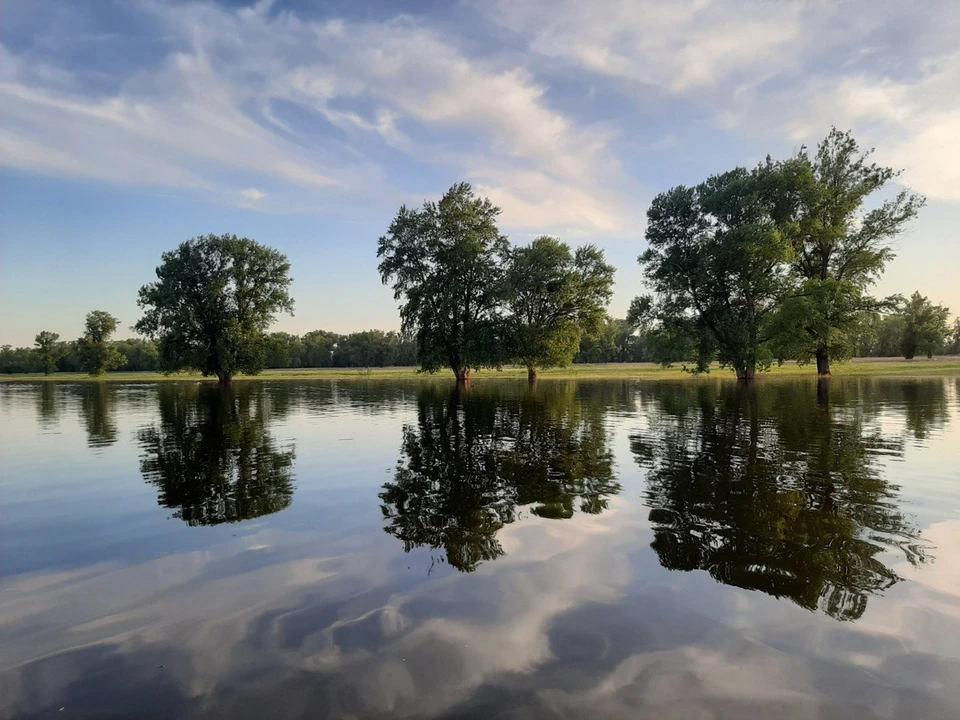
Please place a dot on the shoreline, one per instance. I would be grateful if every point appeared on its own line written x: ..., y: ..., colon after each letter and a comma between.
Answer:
x: 860, y: 367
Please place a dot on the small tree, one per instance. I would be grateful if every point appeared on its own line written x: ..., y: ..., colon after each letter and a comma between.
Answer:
x: 97, y: 353
x: 925, y: 326
x: 445, y: 261
x: 214, y: 299
x: 718, y: 264
x: 555, y: 297
x: 49, y: 350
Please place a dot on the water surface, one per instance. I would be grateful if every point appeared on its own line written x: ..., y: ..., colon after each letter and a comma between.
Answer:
x: 386, y: 549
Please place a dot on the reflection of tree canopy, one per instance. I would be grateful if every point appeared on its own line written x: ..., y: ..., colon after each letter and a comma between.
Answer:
x: 767, y: 489
x: 473, y: 458
x: 98, y: 408
x: 48, y: 405
x: 212, y: 457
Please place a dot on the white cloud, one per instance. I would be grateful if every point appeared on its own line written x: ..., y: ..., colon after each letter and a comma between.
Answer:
x: 253, y: 194
x: 219, y: 108
x: 766, y: 71
x: 681, y: 46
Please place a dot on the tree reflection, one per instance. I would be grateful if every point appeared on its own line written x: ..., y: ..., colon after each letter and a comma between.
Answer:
x: 99, y: 412
x: 48, y: 405
x: 773, y: 489
x: 475, y: 458
x: 212, y: 457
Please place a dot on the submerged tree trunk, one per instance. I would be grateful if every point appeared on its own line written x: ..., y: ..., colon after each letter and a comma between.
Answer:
x: 226, y: 379
x: 462, y: 375
x: 746, y: 372
x: 532, y: 375
x: 823, y: 360
x: 823, y: 391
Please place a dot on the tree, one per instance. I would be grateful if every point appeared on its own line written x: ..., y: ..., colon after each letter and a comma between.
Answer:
x: 953, y: 347
x: 49, y: 350
x: 618, y: 340
x: 925, y: 326
x: 318, y: 347
x: 214, y: 299
x: 283, y: 350
x: 17, y: 360
x: 555, y: 297
x: 840, y: 249
x: 370, y: 348
x: 718, y: 264
x: 97, y: 353
x: 445, y: 261
x: 141, y: 355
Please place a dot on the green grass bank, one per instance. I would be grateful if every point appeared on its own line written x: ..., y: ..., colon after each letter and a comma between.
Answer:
x: 614, y: 371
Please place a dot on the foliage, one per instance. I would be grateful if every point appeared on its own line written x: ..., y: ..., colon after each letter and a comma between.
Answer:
x: 840, y: 249
x: 445, y: 262
x: 141, y: 355
x: 318, y: 348
x: 555, y: 298
x: 283, y: 350
x: 18, y: 360
x: 718, y: 264
x: 49, y: 350
x: 214, y: 299
x: 370, y: 348
x: 953, y: 344
x: 96, y: 351
x: 925, y: 326
x: 617, y: 341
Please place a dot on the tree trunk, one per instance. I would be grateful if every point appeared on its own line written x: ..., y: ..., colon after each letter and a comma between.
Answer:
x: 462, y: 375
x: 823, y: 360
x: 226, y: 379
x: 746, y: 372
x: 532, y: 375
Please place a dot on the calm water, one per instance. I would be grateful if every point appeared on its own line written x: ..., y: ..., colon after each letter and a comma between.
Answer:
x: 364, y: 550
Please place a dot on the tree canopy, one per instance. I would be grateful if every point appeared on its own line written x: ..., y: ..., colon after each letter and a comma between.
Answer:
x: 924, y: 326
x: 213, y: 301
x: 445, y: 261
x: 96, y: 352
x: 719, y: 266
x: 554, y: 297
x: 49, y: 350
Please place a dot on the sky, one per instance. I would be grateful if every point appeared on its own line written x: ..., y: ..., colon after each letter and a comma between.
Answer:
x: 129, y: 126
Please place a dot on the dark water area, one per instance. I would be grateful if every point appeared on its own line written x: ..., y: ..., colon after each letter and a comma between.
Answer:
x: 379, y: 549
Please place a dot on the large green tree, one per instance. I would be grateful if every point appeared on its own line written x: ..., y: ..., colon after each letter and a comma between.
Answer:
x: 445, y: 261
x: 555, y: 297
x: 214, y: 298
x: 96, y: 351
x: 718, y: 264
x: 841, y: 249
x: 924, y: 326
x: 49, y: 350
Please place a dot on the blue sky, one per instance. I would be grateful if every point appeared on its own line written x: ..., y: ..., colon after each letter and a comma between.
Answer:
x: 128, y: 126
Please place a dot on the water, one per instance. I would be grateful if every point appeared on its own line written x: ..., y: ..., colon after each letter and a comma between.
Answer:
x: 381, y: 549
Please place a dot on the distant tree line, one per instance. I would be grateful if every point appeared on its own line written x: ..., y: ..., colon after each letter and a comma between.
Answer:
x: 316, y: 349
